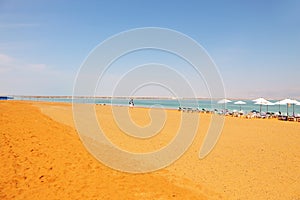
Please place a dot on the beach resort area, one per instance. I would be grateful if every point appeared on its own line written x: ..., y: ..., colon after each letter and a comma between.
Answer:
x: 42, y: 157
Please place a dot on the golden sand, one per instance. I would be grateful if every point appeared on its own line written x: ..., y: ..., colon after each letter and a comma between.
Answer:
x: 42, y: 157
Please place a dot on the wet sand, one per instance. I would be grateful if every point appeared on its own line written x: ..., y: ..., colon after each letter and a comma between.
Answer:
x: 42, y: 157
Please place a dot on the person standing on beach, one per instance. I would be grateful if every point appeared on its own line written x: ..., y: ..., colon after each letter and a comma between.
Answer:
x: 131, y: 104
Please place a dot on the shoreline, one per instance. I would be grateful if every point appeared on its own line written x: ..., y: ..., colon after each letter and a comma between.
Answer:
x: 230, y: 113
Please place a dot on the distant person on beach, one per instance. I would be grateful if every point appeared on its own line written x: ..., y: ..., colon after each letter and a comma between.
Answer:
x: 131, y: 103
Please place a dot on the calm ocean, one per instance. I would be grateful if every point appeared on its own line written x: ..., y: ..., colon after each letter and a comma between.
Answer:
x: 171, y: 103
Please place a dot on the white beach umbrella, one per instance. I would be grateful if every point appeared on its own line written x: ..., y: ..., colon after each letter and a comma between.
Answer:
x: 288, y: 102
x: 268, y: 104
x: 260, y: 101
x: 240, y: 103
x: 224, y: 101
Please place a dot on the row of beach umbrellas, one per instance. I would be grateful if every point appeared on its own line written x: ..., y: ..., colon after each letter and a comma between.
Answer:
x: 262, y: 101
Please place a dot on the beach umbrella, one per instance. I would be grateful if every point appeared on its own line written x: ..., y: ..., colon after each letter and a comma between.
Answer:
x: 260, y: 101
x: 288, y: 102
x: 269, y: 104
x: 240, y: 103
x: 224, y: 101
x: 266, y: 103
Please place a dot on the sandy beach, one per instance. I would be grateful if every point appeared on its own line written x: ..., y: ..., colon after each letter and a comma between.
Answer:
x: 42, y: 157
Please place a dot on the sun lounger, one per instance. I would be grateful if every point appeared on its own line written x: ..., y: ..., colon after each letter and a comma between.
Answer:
x: 282, y: 117
x: 188, y: 109
x: 195, y: 110
x: 297, y: 118
x: 251, y: 115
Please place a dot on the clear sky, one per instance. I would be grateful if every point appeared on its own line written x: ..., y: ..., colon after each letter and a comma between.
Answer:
x: 255, y: 44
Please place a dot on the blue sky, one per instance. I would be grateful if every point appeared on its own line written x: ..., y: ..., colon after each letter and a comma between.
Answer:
x: 255, y: 44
